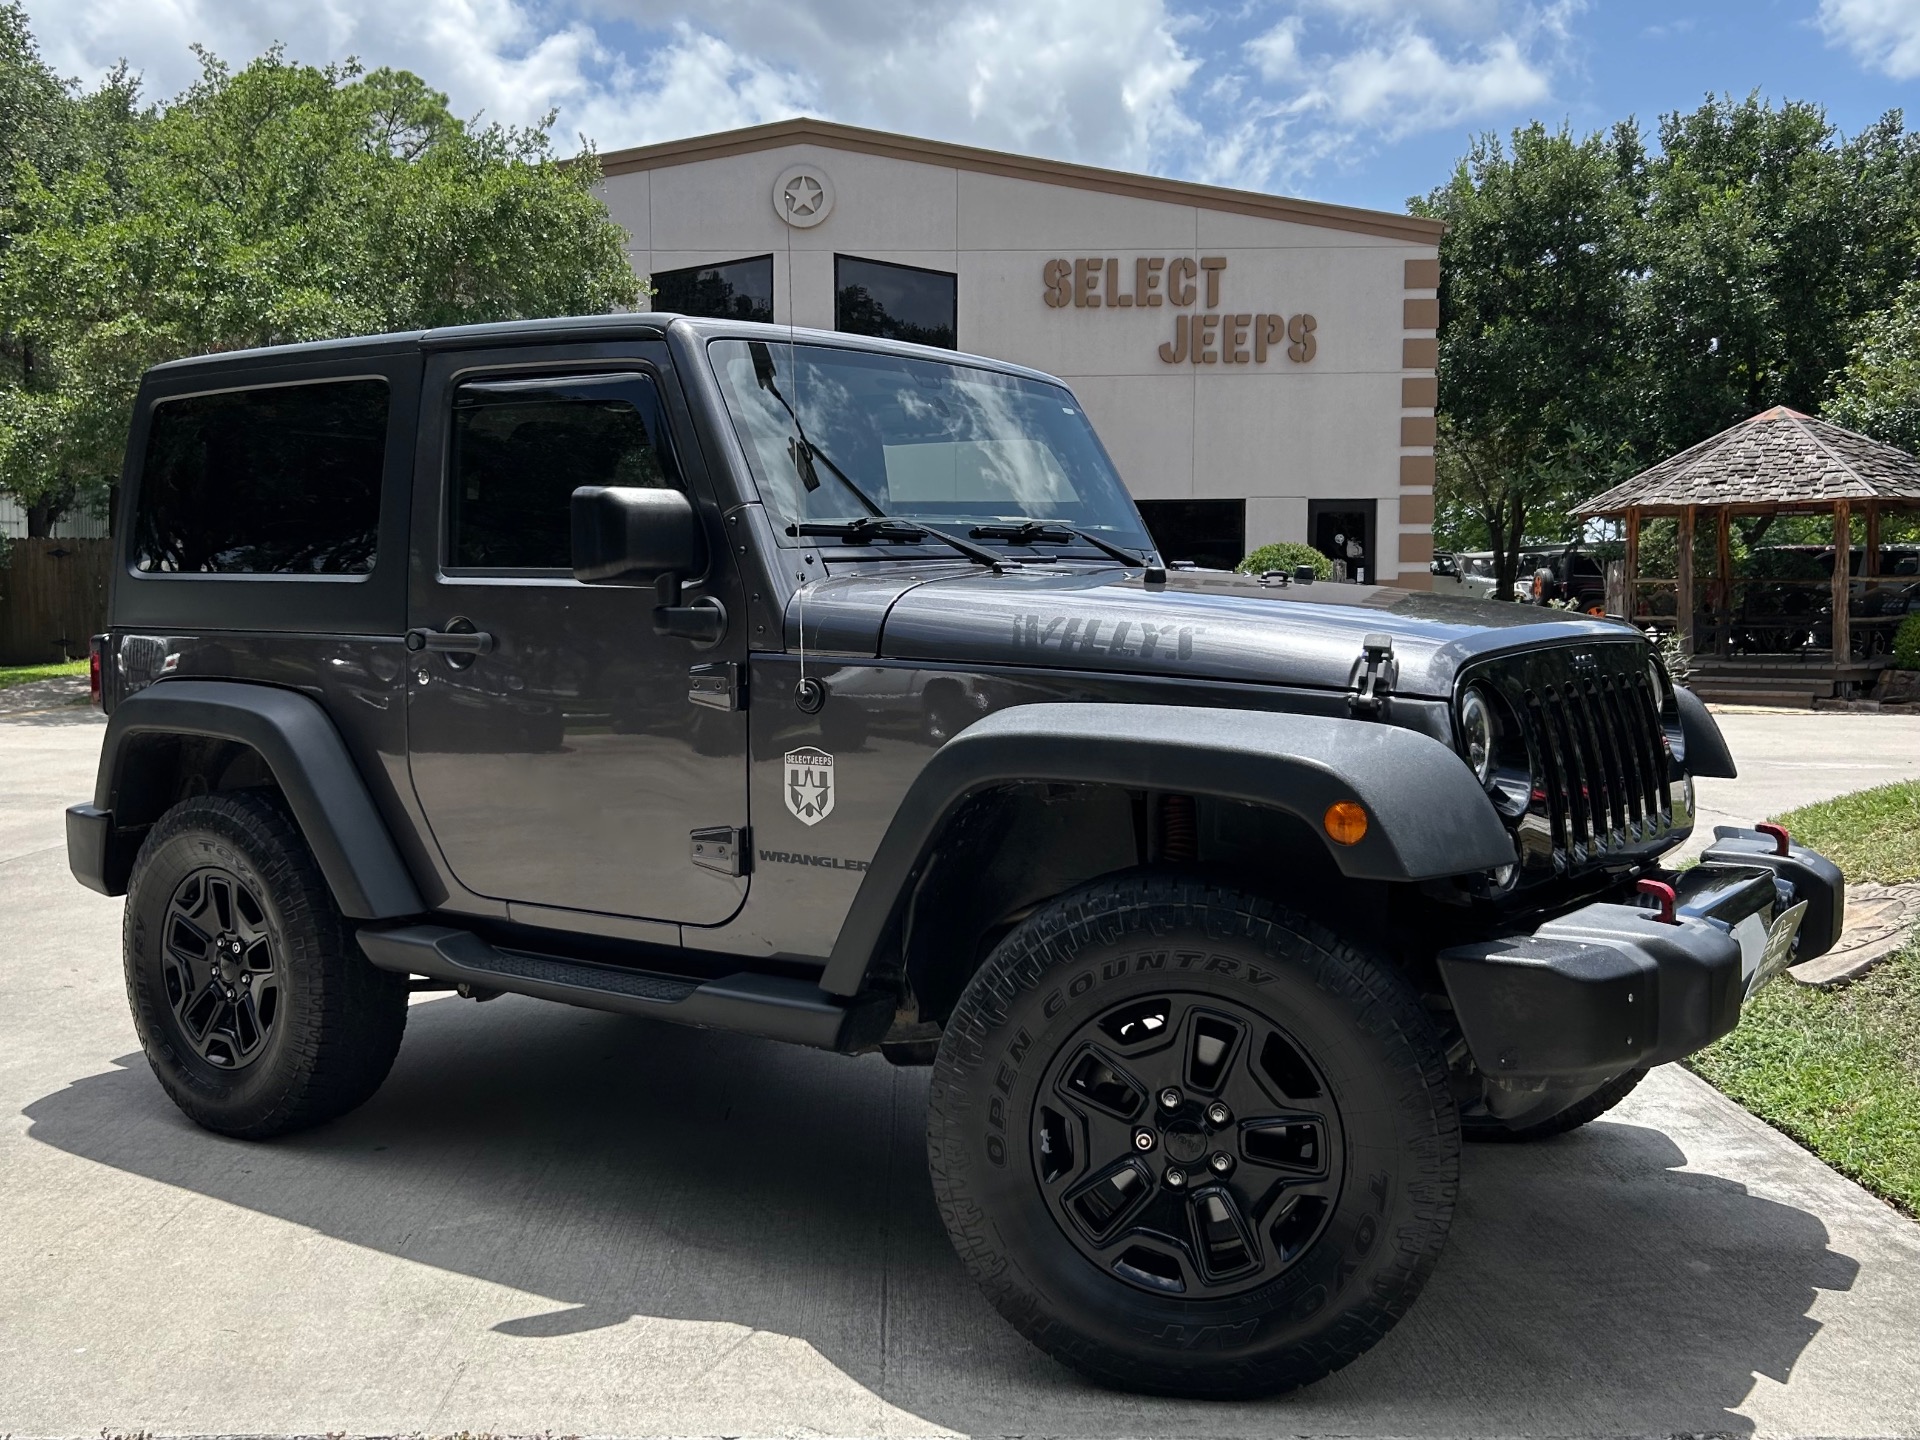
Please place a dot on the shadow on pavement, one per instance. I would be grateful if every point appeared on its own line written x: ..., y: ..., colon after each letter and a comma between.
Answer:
x: 623, y: 1168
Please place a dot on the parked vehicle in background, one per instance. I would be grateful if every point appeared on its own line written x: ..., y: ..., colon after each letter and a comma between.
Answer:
x: 829, y: 690
x: 1464, y: 572
x: 1568, y: 576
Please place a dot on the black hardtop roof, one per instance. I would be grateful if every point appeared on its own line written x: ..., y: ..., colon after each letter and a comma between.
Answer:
x: 564, y: 328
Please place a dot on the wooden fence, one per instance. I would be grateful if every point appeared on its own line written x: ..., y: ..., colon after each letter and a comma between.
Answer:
x: 53, y: 595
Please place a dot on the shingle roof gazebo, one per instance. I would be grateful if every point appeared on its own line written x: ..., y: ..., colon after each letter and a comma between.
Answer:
x: 1777, y: 462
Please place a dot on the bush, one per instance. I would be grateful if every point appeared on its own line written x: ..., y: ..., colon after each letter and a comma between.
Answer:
x: 1906, y: 644
x: 1286, y: 556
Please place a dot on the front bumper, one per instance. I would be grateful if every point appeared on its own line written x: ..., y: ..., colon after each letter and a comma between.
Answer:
x: 1613, y: 987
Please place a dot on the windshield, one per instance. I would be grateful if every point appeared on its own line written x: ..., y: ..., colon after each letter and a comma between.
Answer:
x: 945, y: 444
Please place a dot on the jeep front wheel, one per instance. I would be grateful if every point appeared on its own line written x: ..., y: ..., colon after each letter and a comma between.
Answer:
x: 255, y: 1007
x: 1189, y: 1142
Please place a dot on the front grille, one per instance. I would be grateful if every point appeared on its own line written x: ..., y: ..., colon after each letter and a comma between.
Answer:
x: 1601, y: 772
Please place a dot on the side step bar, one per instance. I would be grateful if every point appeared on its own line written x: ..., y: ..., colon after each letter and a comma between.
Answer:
x: 775, y: 1007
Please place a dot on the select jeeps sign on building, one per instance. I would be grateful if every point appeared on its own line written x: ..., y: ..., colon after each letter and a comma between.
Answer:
x: 1261, y: 368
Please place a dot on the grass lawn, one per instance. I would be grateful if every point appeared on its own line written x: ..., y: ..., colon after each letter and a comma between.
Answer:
x: 21, y: 674
x: 1839, y: 1070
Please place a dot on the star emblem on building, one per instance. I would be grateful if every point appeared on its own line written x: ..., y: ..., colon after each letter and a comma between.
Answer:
x: 804, y: 195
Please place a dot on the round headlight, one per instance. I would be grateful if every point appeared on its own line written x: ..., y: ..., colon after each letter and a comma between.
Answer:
x: 1476, y: 733
x: 1659, y: 683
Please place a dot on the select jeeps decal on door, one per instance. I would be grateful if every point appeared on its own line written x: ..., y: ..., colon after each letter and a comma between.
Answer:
x: 809, y: 784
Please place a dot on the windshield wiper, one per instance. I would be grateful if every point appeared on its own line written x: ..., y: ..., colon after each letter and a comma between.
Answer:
x: 885, y: 527
x: 1031, y: 531
x: 802, y: 451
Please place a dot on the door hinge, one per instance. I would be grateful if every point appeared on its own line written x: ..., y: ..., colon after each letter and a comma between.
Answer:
x: 1375, y: 674
x: 721, y: 849
x: 719, y: 685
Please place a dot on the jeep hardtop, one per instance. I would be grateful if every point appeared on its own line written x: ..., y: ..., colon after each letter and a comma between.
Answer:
x: 831, y: 690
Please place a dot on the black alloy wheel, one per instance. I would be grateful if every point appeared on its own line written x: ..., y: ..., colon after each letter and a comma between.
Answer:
x: 1191, y: 1142
x: 256, y: 1008
x: 1187, y: 1144
x: 219, y: 966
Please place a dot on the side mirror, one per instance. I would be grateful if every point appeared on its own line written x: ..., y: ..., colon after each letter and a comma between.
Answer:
x: 624, y: 535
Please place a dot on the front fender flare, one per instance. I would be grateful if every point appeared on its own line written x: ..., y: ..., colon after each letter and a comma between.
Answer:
x: 1430, y: 817
x: 310, y: 763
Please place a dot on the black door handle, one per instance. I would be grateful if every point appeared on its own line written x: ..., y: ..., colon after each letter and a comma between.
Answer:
x: 451, y: 642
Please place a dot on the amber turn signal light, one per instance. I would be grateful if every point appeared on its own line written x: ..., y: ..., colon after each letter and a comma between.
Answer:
x: 1346, y: 822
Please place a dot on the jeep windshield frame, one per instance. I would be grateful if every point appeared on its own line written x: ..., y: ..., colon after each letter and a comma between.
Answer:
x: 931, y: 442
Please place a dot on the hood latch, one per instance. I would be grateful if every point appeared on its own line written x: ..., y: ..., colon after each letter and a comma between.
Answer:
x: 1375, y: 674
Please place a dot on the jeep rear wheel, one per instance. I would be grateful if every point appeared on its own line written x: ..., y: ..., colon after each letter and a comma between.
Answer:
x: 1189, y: 1142
x: 255, y: 1007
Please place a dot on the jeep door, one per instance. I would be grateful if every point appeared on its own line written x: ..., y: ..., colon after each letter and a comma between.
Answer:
x: 558, y: 760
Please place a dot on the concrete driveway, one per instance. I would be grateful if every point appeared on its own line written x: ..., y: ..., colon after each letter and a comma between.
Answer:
x: 551, y: 1220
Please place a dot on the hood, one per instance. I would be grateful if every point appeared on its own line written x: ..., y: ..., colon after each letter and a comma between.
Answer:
x: 1201, y: 625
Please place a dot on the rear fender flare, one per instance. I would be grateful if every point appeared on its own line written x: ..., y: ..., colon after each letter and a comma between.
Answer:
x: 1429, y: 816
x: 310, y: 764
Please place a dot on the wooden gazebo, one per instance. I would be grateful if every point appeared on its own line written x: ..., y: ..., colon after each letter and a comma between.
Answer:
x: 1780, y: 462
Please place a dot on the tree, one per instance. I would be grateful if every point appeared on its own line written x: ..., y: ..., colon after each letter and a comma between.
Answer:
x: 1535, y: 268
x: 1767, y: 239
x: 48, y: 128
x: 1602, y: 308
x: 1879, y: 392
x: 278, y: 203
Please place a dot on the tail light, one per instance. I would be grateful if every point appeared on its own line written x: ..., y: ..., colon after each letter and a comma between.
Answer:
x: 96, y: 646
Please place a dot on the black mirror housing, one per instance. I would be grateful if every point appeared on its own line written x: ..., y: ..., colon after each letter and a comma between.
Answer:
x: 626, y: 535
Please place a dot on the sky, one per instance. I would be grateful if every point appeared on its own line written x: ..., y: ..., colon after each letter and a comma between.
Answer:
x: 1361, y: 102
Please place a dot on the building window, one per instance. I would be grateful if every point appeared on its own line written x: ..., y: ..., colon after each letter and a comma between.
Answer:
x: 1208, y: 533
x: 1343, y: 531
x: 738, y: 290
x: 277, y: 481
x: 895, y: 302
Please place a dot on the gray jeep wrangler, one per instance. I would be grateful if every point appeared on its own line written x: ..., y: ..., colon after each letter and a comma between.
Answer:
x: 832, y: 691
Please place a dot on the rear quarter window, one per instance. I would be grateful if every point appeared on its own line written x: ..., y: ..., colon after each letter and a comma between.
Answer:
x: 280, y: 480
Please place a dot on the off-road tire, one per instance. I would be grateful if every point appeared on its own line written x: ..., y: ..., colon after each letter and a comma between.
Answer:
x: 1487, y: 1129
x: 337, y: 1020
x: 1104, y: 951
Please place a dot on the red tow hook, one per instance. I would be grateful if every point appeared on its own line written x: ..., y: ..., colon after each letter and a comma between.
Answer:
x: 1781, y: 840
x: 1662, y: 892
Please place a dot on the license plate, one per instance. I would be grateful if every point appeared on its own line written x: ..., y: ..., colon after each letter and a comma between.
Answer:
x: 1779, y: 948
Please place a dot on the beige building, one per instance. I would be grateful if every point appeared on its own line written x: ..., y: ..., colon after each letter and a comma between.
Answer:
x: 1260, y: 368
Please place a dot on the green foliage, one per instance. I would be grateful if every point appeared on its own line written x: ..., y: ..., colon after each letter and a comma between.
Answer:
x: 1286, y: 556
x: 1535, y: 268
x: 11, y: 675
x: 278, y: 203
x: 1906, y: 644
x: 1604, y: 305
x: 1870, y: 834
x: 1766, y: 239
x: 1836, y: 1071
x: 1879, y: 392
x: 1839, y: 1070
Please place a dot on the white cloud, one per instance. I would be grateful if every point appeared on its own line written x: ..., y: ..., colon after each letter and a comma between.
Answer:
x: 1412, y: 86
x: 1884, y: 34
x: 1134, y: 84
x: 1346, y: 76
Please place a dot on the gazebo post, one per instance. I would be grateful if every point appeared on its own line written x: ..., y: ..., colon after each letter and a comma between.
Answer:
x: 1842, y: 566
x: 1870, y: 567
x: 1723, y: 562
x: 1631, y: 563
x: 1683, y: 570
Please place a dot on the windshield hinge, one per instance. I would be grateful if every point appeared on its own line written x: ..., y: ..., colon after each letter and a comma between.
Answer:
x: 1374, y: 675
x: 720, y: 685
x: 720, y: 848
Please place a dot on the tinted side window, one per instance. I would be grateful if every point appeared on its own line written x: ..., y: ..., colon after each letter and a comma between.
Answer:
x: 278, y: 481
x: 895, y: 302
x: 739, y: 290
x: 521, y: 448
